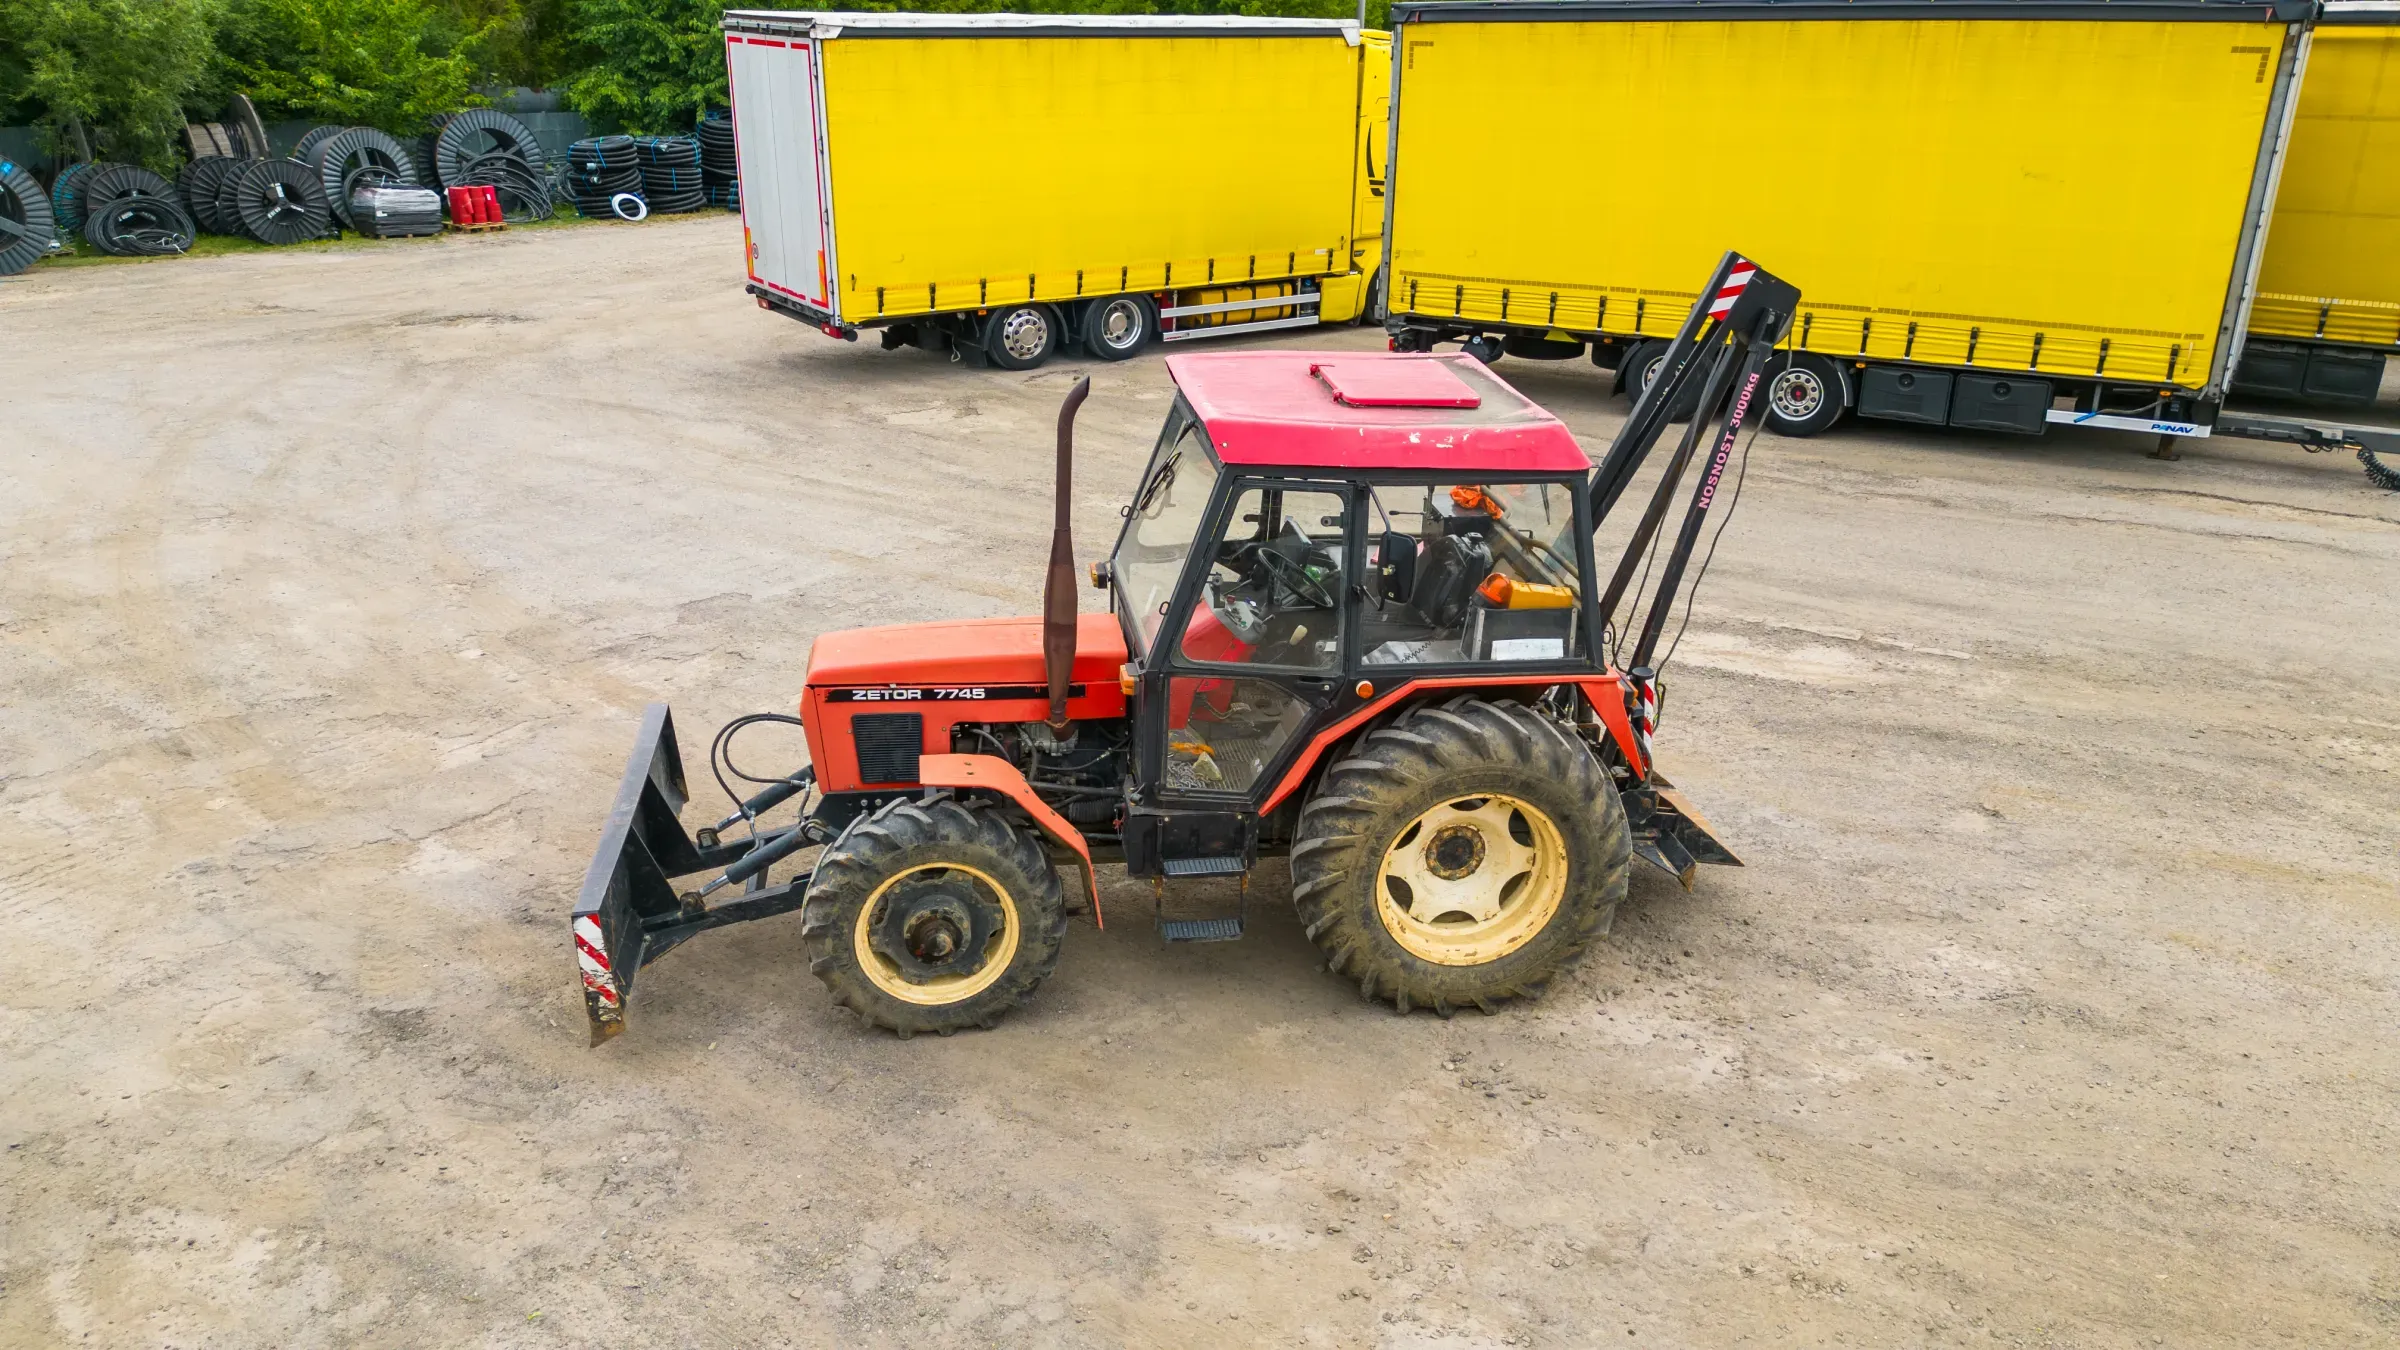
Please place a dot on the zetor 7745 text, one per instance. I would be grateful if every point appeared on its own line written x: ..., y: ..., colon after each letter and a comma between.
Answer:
x: 1354, y: 618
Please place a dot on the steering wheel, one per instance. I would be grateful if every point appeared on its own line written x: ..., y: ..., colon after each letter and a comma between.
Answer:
x: 1295, y: 578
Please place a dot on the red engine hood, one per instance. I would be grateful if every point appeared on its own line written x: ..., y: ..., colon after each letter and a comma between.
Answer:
x: 961, y: 651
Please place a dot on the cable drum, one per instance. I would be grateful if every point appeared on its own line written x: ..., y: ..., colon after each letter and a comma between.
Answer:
x: 197, y: 186
x: 357, y: 157
x: 469, y: 136
x: 306, y: 150
x: 113, y: 181
x: 66, y: 200
x: 280, y: 201
x: 26, y: 224
x: 671, y: 174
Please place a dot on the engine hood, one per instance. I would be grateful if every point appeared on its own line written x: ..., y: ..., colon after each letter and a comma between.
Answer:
x: 961, y: 652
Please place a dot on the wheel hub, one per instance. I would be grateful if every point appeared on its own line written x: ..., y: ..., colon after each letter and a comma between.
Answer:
x: 1454, y: 852
x: 1796, y: 394
x: 1471, y: 879
x: 934, y: 927
x: 1025, y: 335
x: 1117, y: 325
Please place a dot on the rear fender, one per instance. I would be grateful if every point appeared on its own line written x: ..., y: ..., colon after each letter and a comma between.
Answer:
x: 990, y: 773
x: 1606, y: 695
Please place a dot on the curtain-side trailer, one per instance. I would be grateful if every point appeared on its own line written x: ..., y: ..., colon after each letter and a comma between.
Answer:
x: 2328, y: 309
x: 1005, y: 185
x: 2003, y: 214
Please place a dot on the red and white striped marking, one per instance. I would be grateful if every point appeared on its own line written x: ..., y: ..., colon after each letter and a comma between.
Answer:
x: 1735, y: 279
x: 591, y: 953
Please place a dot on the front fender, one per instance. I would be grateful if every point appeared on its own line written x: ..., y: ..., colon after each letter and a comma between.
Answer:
x: 990, y: 773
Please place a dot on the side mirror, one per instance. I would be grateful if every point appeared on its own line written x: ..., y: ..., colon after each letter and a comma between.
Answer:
x: 1396, y: 565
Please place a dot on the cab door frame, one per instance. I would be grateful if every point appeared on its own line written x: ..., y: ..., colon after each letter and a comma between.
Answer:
x: 1165, y: 663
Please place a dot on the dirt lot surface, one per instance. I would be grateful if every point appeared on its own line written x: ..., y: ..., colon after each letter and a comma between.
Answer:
x: 2054, y: 1007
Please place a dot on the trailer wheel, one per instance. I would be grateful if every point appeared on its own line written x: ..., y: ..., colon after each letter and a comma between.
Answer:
x: 932, y: 916
x: 1644, y: 365
x: 1020, y: 337
x: 1118, y: 327
x: 1805, y: 394
x: 1463, y: 855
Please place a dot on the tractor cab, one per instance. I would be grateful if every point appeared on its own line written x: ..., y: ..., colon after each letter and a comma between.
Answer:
x: 1314, y: 531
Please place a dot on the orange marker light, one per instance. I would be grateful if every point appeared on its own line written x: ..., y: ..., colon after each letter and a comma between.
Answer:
x: 1126, y: 680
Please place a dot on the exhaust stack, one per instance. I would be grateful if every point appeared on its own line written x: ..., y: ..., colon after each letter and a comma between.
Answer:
x: 1058, y: 592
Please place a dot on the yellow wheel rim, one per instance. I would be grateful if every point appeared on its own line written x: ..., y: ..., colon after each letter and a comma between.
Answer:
x: 999, y: 948
x: 1471, y: 880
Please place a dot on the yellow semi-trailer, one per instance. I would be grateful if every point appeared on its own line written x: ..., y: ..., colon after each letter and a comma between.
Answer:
x: 2002, y: 214
x: 1004, y: 185
x: 2328, y: 308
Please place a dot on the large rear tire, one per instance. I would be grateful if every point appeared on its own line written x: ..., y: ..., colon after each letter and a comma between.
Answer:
x: 1020, y: 337
x: 1462, y: 856
x: 933, y: 916
x: 1117, y: 328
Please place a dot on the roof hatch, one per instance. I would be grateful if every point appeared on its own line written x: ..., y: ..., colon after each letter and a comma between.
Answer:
x: 1387, y: 383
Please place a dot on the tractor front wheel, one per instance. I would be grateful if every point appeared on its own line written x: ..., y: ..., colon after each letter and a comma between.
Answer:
x: 1461, y: 856
x: 932, y: 916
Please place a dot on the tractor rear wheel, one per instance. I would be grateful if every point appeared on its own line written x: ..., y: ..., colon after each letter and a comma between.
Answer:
x: 1461, y: 856
x: 932, y: 916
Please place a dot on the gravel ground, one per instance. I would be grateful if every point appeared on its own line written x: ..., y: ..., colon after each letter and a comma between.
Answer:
x: 2053, y: 1008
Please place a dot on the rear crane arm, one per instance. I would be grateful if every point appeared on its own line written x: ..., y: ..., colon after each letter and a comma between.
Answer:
x: 1724, y: 343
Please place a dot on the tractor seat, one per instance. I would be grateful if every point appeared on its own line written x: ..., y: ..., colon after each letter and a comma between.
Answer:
x: 1452, y: 567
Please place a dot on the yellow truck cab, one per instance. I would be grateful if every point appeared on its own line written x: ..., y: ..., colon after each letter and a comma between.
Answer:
x: 1001, y: 186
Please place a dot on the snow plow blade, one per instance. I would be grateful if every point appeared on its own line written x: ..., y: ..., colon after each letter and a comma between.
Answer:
x: 628, y: 913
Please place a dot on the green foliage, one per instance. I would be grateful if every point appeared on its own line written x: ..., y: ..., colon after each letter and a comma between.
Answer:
x: 654, y: 65
x: 384, y: 63
x: 121, y: 69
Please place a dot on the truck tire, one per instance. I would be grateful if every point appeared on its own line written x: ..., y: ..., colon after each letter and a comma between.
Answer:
x: 1119, y: 326
x: 1805, y: 394
x: 1020, y: 337
x: 1463, y: 855
x: 932, y: 916
x: 1642, y: 366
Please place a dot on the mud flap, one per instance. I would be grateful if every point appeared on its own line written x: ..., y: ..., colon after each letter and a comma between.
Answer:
x: 1671, y: 834
x: 642, y: 848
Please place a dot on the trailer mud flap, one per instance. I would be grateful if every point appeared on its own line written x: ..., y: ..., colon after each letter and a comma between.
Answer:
x: 1670, y: 833
x: 642, y: 848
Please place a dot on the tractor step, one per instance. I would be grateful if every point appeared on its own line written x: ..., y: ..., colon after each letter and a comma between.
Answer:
x: 1203, y: 867
x: 1199, y: 930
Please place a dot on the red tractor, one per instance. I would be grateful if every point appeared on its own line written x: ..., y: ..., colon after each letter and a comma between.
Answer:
x: 1352, y: 620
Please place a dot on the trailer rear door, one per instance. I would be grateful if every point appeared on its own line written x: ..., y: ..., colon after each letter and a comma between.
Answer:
x: 779, y: 139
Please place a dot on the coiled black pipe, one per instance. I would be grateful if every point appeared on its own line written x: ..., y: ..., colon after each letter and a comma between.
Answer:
x: 138, y: 225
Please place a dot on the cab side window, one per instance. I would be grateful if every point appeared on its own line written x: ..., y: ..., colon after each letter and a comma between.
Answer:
x: 1272, y: 596
x: 1465, y: 572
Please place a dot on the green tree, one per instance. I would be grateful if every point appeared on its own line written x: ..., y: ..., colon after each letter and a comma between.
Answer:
x: 121, y: 69
x: 652, y: 65
x: 383, y: 63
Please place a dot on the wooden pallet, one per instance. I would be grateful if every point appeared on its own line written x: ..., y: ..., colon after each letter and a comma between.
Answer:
x: 479, y: 226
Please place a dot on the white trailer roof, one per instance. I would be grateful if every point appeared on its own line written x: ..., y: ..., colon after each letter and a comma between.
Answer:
x: 836, y: 23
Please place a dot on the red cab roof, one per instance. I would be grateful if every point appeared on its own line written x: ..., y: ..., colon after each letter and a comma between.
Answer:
x: 1371, y: 410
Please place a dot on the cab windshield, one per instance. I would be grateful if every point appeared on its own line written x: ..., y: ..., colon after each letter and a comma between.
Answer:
x: 1164, y: 521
